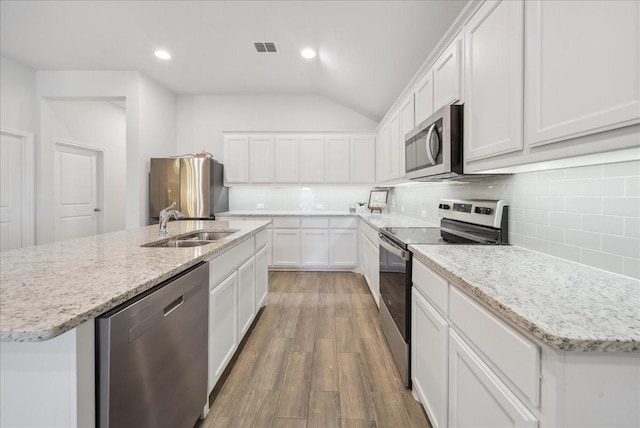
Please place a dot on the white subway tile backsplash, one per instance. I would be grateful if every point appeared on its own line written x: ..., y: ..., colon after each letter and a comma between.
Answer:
x: 564, y: 251
x: 628, y: 247
x: 525, y: 229
x: 566, y: 220
x: 632, y: 227
x: 579, y: 238
x: 632, y: 186
x: 551, y: 203
x: 566, y: 188
x: 584, y: 204
x: 632, y: 267
x: 628, y: 206
x: 536, y: 244
x: 602, y: 260
x: 603, y: 224
x: 621, y: 169
x: 537, y: 216
x: 550, y: 233
x: 603, y: 187
x: 593, y: 171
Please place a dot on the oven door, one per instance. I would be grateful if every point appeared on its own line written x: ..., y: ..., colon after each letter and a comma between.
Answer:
x: 395, y: 302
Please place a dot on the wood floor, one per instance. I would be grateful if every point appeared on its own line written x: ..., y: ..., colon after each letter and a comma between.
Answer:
x: 316, y: 358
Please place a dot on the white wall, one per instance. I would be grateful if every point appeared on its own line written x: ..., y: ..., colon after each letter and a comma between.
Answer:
x: 98, y: 124
x: 332, y: 198
x: 201, y: 119
x: 18, y: 107
x: 590, y: 215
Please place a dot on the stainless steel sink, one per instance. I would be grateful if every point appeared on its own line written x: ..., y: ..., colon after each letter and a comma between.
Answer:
x: 211, y: 235
x: 178, y: 243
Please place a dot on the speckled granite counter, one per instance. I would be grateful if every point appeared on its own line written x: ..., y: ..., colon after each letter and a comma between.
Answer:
x: 49, y: 289
x: 375, y: 220
x: 566, y: 305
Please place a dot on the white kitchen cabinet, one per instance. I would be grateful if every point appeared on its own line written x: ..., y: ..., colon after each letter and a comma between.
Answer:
x: 363, y: 159
x: 582, y: 68
x: 477, y: 398
x: 315, y: 248
x: 343, y: 248
x: 287, y: 159
x: 493, y: 112
x: 407, y: 123
x: 246, y: 296
x: 396, y: 148
x: 312, y: 159
x: 424, y: 97
x: 261, y: 159
x: 338, y: 158
x: 223, y: 336
x: 261, y: 278
x: 429, y: 359
x: 383, y: 166
x: 371, y: 255
x: 448, y: 76
x: 236, y: 159
x: 286, y: 247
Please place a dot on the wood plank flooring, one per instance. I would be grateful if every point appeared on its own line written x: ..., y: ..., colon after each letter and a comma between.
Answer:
x: 316, y: 359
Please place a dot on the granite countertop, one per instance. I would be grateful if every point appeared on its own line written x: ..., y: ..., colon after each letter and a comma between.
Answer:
x: 46, y: 290
x: 568, y: 306
x: 376, y: 220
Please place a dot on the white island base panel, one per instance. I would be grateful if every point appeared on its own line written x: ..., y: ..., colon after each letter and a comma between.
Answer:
x: 50, y: 383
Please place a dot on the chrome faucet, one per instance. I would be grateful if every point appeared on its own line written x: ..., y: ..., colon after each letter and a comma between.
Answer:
x: 165, y: 215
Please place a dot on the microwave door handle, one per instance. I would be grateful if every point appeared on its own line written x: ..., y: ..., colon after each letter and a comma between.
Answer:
x: 428, y: 144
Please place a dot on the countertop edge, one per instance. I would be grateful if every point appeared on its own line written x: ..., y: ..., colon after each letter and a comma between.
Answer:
x: 523, y: 324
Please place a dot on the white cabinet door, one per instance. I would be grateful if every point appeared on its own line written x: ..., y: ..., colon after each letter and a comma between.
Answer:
x: 424, y: 97
x: 261, y: 159
x: 262, y: 278
x: 382, y: 155
x: 287, y: 159
x: 477, y: 398
x: 246, y: 296
x: 583, y: 68
x: 343, y: 249
x: 448, y: 76
x: 312, y: 159
x: 407, y: 123
x: 363, y: 159
x: 236, y: 159
x: 372, y: 263
x: 494, y: 80
x: 395, y: 147
x: 286, y: 247
x: 315, y: 247
x: 223, y: 336
x: 429, y: 359
x: 338, y: 159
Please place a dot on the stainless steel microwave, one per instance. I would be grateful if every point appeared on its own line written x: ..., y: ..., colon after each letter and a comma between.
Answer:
x: 433, y: 150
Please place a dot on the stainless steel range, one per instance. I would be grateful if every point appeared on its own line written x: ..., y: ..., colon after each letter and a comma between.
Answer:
x: 471, y: 222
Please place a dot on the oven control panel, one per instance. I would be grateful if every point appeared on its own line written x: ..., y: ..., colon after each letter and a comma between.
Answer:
x: 484, y: 212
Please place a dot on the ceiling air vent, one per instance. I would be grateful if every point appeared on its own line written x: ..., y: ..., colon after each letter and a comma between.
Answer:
x: 265, y: 47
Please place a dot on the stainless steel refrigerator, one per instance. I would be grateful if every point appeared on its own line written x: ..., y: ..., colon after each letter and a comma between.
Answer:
x: 196, y: 185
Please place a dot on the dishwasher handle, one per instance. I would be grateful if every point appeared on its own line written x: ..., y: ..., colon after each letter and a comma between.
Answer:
x: 173, y: 305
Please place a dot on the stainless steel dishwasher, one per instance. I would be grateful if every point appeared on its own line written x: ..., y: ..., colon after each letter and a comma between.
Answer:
x: 152, y: 355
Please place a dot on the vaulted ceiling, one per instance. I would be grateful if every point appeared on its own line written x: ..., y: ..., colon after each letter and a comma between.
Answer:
x: 367, y: 50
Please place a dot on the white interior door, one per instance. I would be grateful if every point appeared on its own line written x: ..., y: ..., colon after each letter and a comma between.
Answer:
x: 77, y: 191
x: 11, y: 189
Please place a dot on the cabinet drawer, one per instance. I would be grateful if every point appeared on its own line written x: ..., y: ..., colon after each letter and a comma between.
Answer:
x: 431, y: 285
x: 515, y: 356
x: 343, y: 222
x: 286, y: 223
x: 315, y: 222
x: 225, y: 263
x: 369, y: 232
x: 262, y: 238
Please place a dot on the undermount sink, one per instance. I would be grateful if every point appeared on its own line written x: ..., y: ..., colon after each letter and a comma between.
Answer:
x: 211, y: 235
x: 178, y: 243
x: 195, y: 239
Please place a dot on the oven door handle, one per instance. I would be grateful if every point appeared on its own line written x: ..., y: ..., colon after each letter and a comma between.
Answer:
x: 468, y: 236
x: 392, y: 248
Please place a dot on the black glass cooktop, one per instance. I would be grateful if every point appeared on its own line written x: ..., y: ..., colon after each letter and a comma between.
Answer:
x: 415, y: 235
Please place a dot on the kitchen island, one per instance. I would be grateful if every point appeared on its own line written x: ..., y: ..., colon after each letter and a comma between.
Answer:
x: 50, y: 295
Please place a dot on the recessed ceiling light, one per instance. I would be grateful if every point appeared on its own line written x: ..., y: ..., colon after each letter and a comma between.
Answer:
x: 308, y: 53
x: 162, y: 54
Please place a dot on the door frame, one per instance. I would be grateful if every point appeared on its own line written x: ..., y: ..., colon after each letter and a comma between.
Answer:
x: 101, y: 179
x: 28, y: 183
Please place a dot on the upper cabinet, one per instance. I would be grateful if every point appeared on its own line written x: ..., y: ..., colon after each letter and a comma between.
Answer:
x: 448, y: 76
x: 287, y: 159
x: 382, y: 154
x: 301, y: 158
x: 424, y: 97
x: 395, y: 147
x: 261, y: 159
x: 582, y: 68
x: 494, y: 80
x: 236, y: 158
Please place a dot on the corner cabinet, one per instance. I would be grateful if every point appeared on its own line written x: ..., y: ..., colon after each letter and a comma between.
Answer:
x: 583, y: 68
x: 493, y: 110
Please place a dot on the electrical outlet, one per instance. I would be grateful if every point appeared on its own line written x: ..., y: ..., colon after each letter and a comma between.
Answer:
x: 424, y: 213
x: 319, y: 206
x: 260, y: 206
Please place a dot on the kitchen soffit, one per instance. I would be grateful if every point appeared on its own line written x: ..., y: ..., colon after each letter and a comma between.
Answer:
x: 367, y: 50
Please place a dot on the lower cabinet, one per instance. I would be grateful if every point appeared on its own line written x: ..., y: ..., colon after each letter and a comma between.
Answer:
x: 477, y: 398
x: 315, y: 248
x: 286, y: 247
x: 371, y: 262
x: 343, y: 248
x: 223, y: 336
x: 429, y: 359
x: 262, y: 277
x: 246, y: 296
